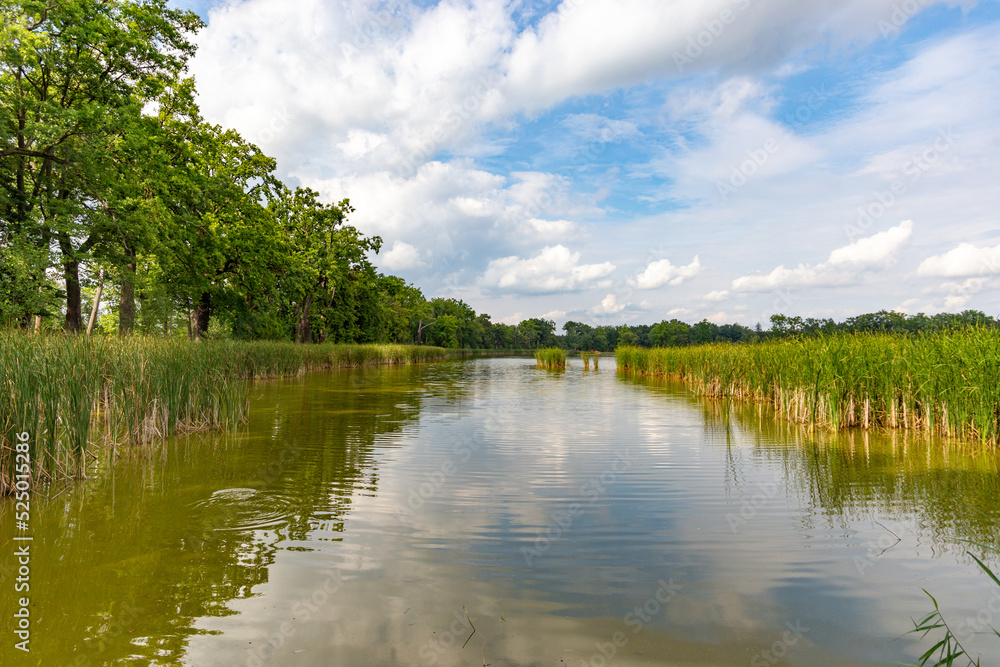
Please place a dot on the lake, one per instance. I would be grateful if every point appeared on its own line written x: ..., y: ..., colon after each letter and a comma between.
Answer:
x: 488, y: 512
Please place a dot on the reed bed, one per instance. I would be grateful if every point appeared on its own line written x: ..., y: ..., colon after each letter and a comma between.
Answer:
x: 587, y: 357
x: 944, y: 383
x: 551, y: 358
x: 74, y: 395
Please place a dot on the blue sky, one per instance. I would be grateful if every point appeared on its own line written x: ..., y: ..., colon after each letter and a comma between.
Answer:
x: 638, y: 160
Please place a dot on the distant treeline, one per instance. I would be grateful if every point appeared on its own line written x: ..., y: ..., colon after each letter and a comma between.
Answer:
x: 675, y: 333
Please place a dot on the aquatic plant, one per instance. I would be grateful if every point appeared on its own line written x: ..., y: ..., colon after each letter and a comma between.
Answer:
x: 71, y: 393
x: 943, y: 383
x: 551, y: 358
x: 587, y: 357
x: 948, y: 648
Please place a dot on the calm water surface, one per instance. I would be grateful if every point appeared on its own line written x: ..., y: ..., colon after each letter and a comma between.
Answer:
x: 373, y: 517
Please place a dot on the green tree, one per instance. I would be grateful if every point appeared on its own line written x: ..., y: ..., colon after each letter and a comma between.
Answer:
x: 74, y: 78
x: 627, y: 337
x: 322, y: 252
x: 670, y: 334
x: 703, y: 332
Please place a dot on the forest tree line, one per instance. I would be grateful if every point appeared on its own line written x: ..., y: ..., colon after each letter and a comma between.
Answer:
x: 675, y: 333
x: 117, y: 198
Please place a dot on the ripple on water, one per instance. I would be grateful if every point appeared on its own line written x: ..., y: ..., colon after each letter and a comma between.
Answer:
x: 245, y: 509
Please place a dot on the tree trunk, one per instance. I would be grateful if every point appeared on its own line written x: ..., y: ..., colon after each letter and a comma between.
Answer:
x: 71, y: 273
x: 97, y: 305
x: 303, y: 334
x: 202, y: 313
x: 420, y: 329
x: 126, y: 308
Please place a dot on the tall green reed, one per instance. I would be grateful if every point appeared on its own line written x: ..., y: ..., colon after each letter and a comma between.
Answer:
x: 70, y: 394
x: 948, y: 649
x: 943, y: 383
x: 551, y: 358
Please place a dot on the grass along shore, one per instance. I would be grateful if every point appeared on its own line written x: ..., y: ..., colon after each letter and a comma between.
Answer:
x: 74, y: 395
x: 946, y: 383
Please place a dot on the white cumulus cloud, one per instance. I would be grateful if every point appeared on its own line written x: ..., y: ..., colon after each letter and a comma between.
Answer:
x: 554, y: 270
x: 610, y: 305
x: 402, y: 256
x: 642, y: 39
x: 662, y: 272
x: 964, y: 261
x: 844, y: 266
x: 717, y: 296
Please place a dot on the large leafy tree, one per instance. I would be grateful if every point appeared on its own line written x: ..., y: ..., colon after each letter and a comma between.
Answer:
x: 673, y: 333
x: 328, y: 266
x: 220, y: 243
x: 403, y: 306
x: 74, y: 79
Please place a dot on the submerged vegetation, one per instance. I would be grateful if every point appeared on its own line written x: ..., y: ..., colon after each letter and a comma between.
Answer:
x: 943, y: 383
x: 72, y: 394
x: 551, y: 357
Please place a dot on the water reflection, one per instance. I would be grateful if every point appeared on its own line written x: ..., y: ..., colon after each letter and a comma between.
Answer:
x: 373, y: 517
x: 951, y: 488
x: 126, y: 563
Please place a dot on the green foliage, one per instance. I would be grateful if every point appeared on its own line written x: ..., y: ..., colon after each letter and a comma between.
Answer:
x: 580, y: 336
x: 72, y: 393
x: 626, y: 337
x: 948, y: 649
x: 552, y: 358
x: 883, y: 321
x: 588, y: 356
x: 943, y: 383
x: 670, y: 334
x: 74, y: 78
